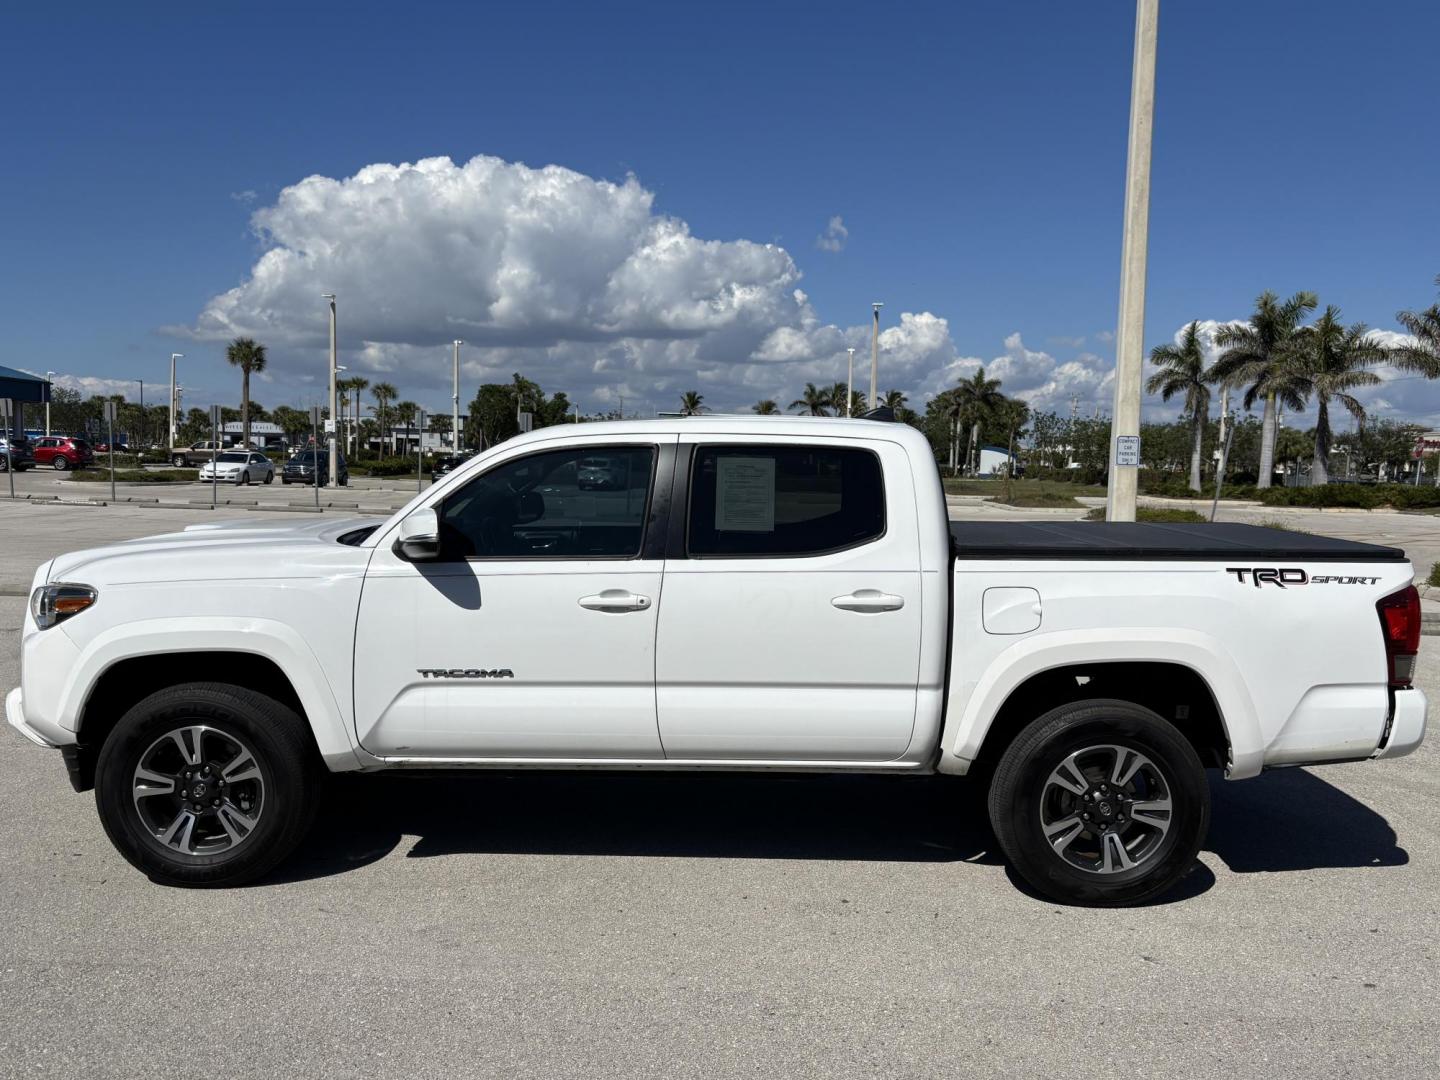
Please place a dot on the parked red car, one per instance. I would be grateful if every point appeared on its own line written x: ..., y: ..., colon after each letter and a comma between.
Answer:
x: 62, y: 452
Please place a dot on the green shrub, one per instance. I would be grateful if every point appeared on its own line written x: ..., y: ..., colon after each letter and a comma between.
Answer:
x: 1434, y: 578
x: 1170, y: 486
x: 391, y: 466
x: 1144, y: 513
x: 1355, y: 496
x: 137, y: 476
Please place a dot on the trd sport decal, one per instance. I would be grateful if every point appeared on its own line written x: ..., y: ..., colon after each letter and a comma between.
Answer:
x: 465, y: 673
x: 1262, y: 575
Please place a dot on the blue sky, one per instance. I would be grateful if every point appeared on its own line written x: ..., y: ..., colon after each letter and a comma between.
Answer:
x: 974, y: 153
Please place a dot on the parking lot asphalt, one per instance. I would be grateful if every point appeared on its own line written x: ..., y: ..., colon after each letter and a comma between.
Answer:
x: 598, y: 925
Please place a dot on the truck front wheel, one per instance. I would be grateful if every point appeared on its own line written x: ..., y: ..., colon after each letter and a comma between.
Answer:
x: 1100, y: 802
x: 207, y: 784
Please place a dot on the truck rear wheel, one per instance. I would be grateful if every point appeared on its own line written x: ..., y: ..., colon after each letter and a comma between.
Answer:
x: 1100, y: 802
x: 178, y: 461
x: 207, y: 784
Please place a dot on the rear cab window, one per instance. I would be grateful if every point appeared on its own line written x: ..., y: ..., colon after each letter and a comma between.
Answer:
x: 783, y: 500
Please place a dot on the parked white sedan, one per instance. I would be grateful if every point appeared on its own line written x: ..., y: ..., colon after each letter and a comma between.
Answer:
x: 239, y: 467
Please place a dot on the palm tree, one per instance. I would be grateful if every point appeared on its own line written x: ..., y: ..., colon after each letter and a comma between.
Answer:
x: 384, y: 393
x: 354, y: 385
x: 1253, y: 352
x: 1334, y: 359
x: 814, y: 401
x: 839, y: 393
x: 765, y: 408
x: 692, y: 403
x: 249, y: 356
x: 1424, y: 355
x: 405, y: 417
x: 975, y: 400
x: 1182, y: 371
x: 894, y: 399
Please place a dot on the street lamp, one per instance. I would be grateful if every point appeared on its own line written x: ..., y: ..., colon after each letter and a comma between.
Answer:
x: 455, y: 400
x: 334, y: 475
x: 875, y: 356
x: 49, y: 375
x: 850, y: 386
x: 174, y: 394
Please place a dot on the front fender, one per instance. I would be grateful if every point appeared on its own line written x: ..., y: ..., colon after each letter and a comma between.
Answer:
x: 970, y: 711
x: 269, y: 638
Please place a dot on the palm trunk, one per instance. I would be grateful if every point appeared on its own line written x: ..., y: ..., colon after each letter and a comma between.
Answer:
x: 1267, y: 444
x: 1320, y: 467
x: 954, y: 445
x: 1198, y: 423
x: 245, y: 406
x: 972, y: 456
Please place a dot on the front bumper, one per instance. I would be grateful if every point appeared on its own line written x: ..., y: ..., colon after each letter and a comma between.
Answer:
x: 15, y: 716
x: 1407, y: 724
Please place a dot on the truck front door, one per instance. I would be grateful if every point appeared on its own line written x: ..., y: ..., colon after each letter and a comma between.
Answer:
x: 791, y: 628
x: 533, y: 636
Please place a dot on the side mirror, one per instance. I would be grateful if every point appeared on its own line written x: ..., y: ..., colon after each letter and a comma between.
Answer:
x: 419, y: 539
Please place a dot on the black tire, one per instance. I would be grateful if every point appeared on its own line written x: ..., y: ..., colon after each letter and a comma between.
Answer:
x: 1023, y: 793
x: 59, y: 464
x: 178, y: 461
x: 288, y: 768
x: 243, y: 480
x: 269, y: 477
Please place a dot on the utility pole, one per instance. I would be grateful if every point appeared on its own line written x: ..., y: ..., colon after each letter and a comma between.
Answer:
x: 1225, y: 415
x: 49, y: 376
x: 850, y: 386
x: 174, y: 401
x: 455, y: 401
x: 333, y: 477
x: 1130, y: 329
x: 875, y: 356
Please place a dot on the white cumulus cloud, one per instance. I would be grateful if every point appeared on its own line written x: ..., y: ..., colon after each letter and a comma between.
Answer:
x: 834, y: 237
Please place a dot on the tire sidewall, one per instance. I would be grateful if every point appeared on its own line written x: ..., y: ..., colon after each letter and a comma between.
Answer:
x: 286, y: 810
x: 1091, y: 724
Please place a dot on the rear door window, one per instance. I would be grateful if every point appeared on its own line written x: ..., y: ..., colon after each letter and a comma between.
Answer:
x: 793, y: 501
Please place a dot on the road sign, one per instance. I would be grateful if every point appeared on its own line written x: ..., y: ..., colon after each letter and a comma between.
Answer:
x: 329, y: 427
x: 1127, y: 450
x: 527, y: 421
x: 109, y: 412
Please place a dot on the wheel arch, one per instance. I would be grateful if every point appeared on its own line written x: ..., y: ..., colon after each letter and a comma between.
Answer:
x: 119, y: 669
x: 1189, y: 680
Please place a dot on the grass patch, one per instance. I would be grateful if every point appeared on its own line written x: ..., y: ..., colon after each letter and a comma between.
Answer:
x: 137, y: 476
x: 1276, y: 523
x: 1167, y: 515
x: 995, y: 488
x: 1038, y: 498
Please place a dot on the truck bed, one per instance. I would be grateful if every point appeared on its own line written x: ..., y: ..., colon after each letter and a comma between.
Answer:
x: 1146, y: 540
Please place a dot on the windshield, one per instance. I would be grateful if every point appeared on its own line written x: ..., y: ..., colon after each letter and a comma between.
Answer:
x: 236, y: 458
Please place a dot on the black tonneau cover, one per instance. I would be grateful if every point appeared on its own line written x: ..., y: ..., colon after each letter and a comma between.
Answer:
x: 1153, y: 540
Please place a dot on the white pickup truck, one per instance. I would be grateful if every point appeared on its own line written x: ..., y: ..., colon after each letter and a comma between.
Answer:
x: 742, y: 593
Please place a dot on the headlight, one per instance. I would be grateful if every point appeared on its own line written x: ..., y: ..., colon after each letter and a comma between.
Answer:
x: 58, y: 601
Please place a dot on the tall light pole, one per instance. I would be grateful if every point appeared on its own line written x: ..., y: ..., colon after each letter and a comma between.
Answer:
x: 49, y: 376
x: 850, y: 386
x: 334, y: 474
x: 174, y: 393
x: 455, y: 400
x: 1130, y: 331
x: 875, y: 356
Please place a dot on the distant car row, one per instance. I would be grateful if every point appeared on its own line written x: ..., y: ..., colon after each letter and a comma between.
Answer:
x: 59, y: 452
x: 253, y: 467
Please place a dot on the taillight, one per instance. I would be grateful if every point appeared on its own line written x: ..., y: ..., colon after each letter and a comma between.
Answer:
x: 1400, y: 623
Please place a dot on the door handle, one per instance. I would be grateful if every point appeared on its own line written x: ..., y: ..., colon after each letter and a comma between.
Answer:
x: 615, y: 600
x: 869, y: 600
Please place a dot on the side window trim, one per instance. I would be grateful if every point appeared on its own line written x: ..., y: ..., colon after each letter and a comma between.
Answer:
x: 689, y: 493
x: 657, y: 455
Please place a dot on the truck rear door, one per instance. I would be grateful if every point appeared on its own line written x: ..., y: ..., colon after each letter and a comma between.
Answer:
x: 790, y: 628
